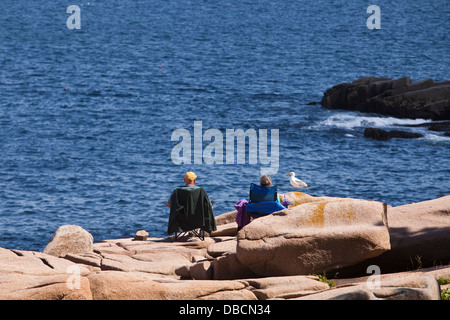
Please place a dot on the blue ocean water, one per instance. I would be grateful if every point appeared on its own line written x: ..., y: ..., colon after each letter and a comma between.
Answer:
x: 87, y: 115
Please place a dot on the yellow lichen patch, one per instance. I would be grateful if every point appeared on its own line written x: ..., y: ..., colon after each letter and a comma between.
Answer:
x: 318, y: 216
x: 350, y: 214
x: 302, y: 198
x: 345, y: 211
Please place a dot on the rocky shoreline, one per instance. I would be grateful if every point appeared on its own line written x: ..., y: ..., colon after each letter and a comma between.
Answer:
x: 318, y: 249
x: 400, y: 98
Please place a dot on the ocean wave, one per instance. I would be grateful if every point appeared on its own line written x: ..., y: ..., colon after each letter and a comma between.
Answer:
x: 352, y: 121
x: 435, y: 138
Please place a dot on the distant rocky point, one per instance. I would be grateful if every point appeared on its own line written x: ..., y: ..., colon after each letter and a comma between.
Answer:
x: 401, y: 98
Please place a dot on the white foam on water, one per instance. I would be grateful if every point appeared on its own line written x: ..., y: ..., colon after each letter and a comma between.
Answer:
x: 352, y: 121
x: 434, y: 138
x: 348, y: 135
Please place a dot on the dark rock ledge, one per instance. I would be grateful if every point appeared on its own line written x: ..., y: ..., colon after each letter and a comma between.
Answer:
x: 380, y: 134
x: 401, y: 98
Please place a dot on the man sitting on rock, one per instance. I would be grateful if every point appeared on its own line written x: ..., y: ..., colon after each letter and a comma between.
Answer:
x: 190, y: 208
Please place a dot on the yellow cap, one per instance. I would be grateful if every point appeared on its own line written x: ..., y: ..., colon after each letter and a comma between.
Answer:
x: 190, y: 176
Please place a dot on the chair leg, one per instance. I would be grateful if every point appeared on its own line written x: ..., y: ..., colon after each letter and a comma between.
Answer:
x: 199, y: 234
x: 178, y: 235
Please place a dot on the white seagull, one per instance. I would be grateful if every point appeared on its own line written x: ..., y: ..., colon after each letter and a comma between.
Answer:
x: 295, y: 182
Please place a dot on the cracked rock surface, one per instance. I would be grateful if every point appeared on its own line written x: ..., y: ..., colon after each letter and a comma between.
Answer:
x: 274, y: 257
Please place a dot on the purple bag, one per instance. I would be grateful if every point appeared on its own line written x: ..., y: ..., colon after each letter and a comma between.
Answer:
x: 242, y: 218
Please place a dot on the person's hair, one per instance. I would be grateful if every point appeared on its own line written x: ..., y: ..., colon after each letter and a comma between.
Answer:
x: 189, y: 177
x: 265, y: 181
x: 188, y: 181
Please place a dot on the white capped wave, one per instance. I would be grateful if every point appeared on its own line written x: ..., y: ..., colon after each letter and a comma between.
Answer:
x: 351, y: 121
x: 348, y: 135
x: 434, y: 138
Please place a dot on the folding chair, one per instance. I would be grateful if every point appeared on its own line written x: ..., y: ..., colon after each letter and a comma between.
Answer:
x: 190, y: 212
x: 263, y: 201
x: 199, y: 233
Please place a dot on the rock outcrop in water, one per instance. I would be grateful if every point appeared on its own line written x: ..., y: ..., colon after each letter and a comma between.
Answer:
x: 380, y: 134
x: 399, y: 98
x: 272, y: 257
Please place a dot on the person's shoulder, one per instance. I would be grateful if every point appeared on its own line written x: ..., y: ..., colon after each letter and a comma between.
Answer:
x: 198, y: 188
x: 190, y: 188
